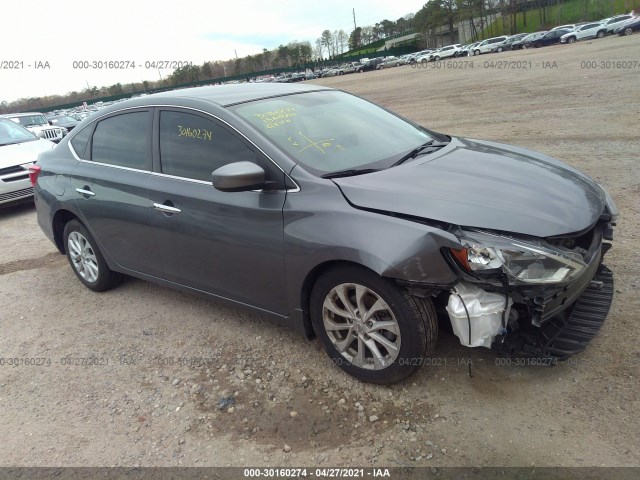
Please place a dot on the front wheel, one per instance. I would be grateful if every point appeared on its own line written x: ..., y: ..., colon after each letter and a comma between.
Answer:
x: 572, y: 40
x: 370, y: 327
x: 499, y: 49
x: 600, y: 34
x: 628, y: 31
x: 476, y: 52
x: 86, y: 260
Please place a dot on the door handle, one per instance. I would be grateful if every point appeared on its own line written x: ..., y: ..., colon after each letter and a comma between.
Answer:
x: 85, y: 191
x: 166, y: 208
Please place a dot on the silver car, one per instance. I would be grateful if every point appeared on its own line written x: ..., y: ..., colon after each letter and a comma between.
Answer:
x: 336, y: 217
x: 19, y: 149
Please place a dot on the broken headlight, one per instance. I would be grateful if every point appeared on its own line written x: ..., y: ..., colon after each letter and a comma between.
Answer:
x: 529, y: 262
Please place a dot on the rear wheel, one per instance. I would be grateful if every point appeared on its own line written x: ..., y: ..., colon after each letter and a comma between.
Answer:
x: 86, y: 260
x: 370, y: 327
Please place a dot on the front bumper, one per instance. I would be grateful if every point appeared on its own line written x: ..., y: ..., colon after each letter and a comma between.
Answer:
x: 567, y: 333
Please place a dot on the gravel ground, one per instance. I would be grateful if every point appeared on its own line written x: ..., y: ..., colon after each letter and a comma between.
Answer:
x: 135, y: 376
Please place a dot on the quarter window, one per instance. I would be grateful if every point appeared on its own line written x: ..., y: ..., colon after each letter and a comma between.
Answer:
x: 122, y: 140
x: 79, y: 142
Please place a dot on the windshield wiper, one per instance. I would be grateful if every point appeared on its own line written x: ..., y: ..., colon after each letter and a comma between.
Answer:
x: 350, y: 172
x: 431, y: 144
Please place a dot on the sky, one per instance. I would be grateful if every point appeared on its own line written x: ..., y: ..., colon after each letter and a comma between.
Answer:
x: 45, y: 38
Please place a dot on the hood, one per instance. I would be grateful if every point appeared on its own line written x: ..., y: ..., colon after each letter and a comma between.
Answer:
x: 485, y: 185
x: 25, y: 152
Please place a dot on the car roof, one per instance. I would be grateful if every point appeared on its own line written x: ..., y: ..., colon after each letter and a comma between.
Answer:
x: 21, y: 114
x: 221, y: 95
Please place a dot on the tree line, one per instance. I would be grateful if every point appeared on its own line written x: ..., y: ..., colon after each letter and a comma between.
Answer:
x: 436, y: 16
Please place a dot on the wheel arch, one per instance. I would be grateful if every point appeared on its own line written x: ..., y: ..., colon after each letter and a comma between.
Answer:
x: 60, y: 220
x: 309, y: 282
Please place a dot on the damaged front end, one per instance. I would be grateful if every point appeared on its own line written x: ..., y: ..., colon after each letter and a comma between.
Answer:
x: 530, y: 297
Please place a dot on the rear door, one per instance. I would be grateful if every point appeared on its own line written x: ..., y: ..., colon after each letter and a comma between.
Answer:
x: 228, y: 244
x: 111, y: 187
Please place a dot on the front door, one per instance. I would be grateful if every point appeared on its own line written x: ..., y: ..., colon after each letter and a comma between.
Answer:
x: 226, y: 243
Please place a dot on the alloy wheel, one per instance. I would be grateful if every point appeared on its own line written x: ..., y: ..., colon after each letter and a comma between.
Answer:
x: 83, y: 258
x: 361, y: 326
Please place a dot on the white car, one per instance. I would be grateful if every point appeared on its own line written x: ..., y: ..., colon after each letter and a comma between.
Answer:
x: 446, y: 52
x: 467, y: 50
x: 19, y: 149
x: 590, y: 30
x: 615, y: 22
x: 423, y: 57
x: 37, y: 123
x: 486, y: 45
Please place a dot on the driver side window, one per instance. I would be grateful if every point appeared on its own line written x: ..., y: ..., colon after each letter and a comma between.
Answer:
x: 192, y: 146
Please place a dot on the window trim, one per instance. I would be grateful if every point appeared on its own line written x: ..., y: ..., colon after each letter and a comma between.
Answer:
x: 156, y: 144
x: 155, y: 107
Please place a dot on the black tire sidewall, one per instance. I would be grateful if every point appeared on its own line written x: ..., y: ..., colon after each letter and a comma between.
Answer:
x: 413, y: 344
x: 106, y: 277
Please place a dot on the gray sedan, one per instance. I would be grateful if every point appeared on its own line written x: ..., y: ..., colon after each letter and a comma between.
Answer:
x: 364, y: 233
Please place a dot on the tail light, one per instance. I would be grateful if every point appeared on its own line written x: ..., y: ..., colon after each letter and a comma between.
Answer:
x: 34, y: 171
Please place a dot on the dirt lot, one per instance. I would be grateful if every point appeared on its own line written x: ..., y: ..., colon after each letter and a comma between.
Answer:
x: 157, y: 362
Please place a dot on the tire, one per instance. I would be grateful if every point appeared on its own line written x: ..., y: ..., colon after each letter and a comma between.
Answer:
x: 571, y: 40
x: 628, y: 31
x: 499, y: 49
x: 86, y: 260
x: 524, y: 47
x: 436, y: 58
x: 601, y: 34
x: 476, y: 52
x: 411, y: 325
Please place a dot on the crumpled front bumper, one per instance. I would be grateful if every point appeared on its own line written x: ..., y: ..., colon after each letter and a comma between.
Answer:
x: 567, y: 333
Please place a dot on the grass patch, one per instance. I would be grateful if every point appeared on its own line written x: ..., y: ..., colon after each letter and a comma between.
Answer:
x: 569, y: 12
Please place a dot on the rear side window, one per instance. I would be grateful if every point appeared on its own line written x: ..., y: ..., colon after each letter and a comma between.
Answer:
x: 122, y: 140
x: 192, y: 146
x: 79, y: 142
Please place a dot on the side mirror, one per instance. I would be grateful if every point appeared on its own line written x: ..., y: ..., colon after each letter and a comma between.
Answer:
x: 238, y: 177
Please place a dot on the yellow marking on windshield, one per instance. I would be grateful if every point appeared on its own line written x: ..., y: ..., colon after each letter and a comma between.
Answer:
x: 277, y: 118
x: 321, y: 145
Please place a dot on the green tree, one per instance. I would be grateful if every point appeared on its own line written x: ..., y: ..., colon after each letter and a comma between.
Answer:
x: 355, y: 39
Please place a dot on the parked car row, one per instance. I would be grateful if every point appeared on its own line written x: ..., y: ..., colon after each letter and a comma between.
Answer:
x: 619, y: 24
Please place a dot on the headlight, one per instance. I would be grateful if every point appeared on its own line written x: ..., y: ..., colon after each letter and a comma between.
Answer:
x: 523, y: 261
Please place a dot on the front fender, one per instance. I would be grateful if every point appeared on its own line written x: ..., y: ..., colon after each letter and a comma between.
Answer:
x: 320, y: 226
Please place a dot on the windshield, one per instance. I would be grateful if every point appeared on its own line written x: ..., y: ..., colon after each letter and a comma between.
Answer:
x: 12, y: 133
x: 329, y: 131
x: 30, y: 120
